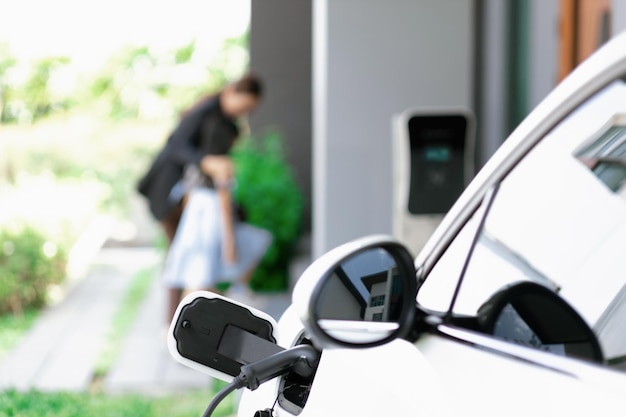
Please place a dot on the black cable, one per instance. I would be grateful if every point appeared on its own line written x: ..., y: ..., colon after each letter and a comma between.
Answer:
x: 236, y: 383
x: 278, y: 396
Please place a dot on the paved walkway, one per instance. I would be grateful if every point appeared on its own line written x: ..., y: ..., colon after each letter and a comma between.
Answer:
x: 144, y: 364
x: 60, y: 351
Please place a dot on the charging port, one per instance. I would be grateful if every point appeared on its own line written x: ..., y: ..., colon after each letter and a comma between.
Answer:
x: 294, y: 389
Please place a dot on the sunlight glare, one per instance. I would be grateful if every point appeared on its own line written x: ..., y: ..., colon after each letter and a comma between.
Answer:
x: 90, y: 31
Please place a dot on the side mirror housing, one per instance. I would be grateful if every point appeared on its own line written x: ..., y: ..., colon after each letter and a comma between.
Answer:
x: 360, y: 294
x: 533, y: 315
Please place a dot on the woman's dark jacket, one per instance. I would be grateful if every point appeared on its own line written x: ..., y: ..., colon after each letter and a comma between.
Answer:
x: 203, y: 130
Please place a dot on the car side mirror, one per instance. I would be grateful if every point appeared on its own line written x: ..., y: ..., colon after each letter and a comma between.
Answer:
x: 360, y: 294
x: 533, y: 315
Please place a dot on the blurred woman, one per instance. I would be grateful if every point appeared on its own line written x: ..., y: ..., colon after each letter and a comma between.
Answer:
x: 194, y: 169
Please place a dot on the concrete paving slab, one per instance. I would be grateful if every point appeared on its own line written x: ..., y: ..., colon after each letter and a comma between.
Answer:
x: 144, y: 364
x: 70, y: 365
x: 60, y: 351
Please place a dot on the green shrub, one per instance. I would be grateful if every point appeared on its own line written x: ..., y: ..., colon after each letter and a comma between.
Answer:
x: 67, y: 404
x: 271, y: 199
x: 13, y: 327
x: 29, y: 264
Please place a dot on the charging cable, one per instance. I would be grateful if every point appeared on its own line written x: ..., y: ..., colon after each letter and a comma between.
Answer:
x: 302, y: 359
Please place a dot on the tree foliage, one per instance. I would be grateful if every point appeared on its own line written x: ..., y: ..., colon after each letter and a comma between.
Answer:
x: 6, y: 63
x: 135, y: 82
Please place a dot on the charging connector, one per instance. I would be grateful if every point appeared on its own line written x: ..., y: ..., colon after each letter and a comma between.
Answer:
x: 302, y: 359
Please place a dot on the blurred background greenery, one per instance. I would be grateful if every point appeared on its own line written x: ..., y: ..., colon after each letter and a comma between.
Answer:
x: 74, y: 143
x: 77, y: 131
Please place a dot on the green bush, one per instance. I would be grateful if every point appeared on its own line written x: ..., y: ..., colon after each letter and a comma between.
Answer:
x: 13, y: 327
x: 271, y: 199
x: 29, y: 264
x: 68, y: 404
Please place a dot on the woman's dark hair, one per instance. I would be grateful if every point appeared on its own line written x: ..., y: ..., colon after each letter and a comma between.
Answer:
x: 249, y: 84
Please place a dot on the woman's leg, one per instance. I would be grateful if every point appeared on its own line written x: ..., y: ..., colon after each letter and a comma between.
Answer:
x: 174, y: 295
x: 186, y: 291
x: 247, y: 276
x: 252, y: 244
x: 169, y: 225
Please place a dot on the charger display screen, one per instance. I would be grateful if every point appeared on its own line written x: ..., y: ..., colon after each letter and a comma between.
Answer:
x: 437, y: 153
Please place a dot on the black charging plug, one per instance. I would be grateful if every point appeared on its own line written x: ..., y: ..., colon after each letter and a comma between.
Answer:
x: 302, y: 359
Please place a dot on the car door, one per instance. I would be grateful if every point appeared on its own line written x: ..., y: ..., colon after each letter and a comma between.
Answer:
x: 554, y: 218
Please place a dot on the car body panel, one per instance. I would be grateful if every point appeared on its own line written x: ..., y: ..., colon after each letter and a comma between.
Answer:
x: 490, y: 383
x: 449, y: 376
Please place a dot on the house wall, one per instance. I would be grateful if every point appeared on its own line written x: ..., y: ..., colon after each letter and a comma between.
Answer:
x: 372, y: 59
x: 619, y: 16
x: 280, y: 52
x: 337, y: 70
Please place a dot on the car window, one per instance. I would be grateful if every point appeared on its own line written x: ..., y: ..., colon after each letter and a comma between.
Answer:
x: 559, y: 220
x: 436, y: 292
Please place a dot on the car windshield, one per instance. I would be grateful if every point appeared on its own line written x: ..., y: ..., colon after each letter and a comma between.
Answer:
x: 558, y: 219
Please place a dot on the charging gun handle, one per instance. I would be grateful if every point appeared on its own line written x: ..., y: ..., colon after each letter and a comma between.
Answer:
x: 302, y: 359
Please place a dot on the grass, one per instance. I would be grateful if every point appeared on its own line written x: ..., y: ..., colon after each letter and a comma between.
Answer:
x: 123, y: 319
x: 13, y: 327
x: 38, y: 404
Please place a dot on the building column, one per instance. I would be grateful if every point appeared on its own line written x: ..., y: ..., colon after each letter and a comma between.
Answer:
x: 371, y: 60
x: 280, y: 52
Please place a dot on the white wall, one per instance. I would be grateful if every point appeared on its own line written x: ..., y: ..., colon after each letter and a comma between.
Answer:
x: 493, y: 100
x: 544, y: 49
x: 619, y: 16
x: 371, y: 60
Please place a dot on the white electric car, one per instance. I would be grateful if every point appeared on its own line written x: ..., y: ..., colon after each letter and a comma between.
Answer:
x: 516, y: 306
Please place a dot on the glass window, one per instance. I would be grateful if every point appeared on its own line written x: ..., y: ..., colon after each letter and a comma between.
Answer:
x: 377, y: 300
x: 606, y: 156
x: 437, y: 291
x: 559, y: 220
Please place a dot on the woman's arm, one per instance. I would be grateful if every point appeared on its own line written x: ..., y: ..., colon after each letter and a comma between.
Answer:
x: 218, y: 167
x: 229, y: 249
